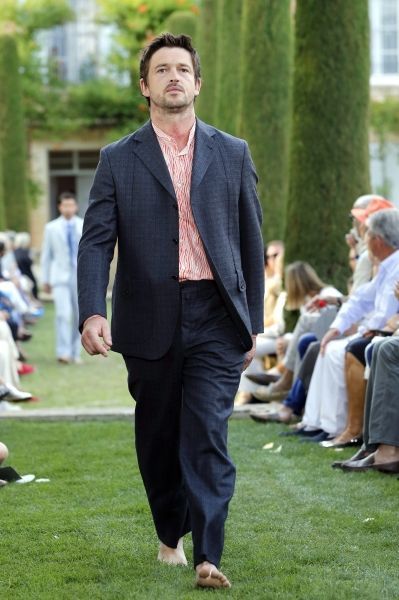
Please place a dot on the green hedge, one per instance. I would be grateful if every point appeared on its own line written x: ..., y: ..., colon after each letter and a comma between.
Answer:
x: 329, y: 150
x: 2, y: 209
x: 182, y: 21
x: 13, y: 137
x: 207, y: 41
x: 265, y: 102
x: 228, y: 83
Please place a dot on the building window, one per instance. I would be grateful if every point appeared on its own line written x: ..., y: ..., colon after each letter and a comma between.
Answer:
x: 88, y: 159
x: 384, y: 22
x: 61, y: 161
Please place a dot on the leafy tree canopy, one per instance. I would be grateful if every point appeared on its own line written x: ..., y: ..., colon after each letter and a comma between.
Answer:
x: 136, y: 22
x: 28, y: 16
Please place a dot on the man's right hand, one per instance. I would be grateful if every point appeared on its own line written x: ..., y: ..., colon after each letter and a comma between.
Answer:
x: 96, y: 336
x: 330, y: 335
x: 46, y: 288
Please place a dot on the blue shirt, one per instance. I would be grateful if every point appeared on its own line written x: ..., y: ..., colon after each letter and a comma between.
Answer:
x: 374, y: 302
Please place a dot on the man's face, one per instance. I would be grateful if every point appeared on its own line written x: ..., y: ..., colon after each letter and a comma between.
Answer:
x: 171, y: 84
x: 373, y: 244
x: 272, y: 253
x: 68, y: 208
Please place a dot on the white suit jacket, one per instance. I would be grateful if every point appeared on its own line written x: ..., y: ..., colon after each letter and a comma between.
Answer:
x: 55, y: 261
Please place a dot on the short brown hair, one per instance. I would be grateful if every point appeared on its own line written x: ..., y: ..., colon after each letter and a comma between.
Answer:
x: 66, y: 196
x: 168, y: 40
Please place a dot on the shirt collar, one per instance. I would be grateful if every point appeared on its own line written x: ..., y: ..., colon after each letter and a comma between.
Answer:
x: 164, y: 136
x: 391, y: 259
x: 67, y: 221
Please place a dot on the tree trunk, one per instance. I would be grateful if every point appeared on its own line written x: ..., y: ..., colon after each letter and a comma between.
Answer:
x: 329, y: 165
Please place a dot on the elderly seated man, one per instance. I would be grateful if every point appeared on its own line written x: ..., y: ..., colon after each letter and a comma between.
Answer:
x: 380, y: 449
x: 374, y: 304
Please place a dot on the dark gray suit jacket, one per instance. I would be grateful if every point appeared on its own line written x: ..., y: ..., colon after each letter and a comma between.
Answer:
x: 132, y: 201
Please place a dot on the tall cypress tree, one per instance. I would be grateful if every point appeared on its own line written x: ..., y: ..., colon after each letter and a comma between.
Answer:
x: 2, y: 108
x: 182, y: 21
x: 227, y: 78
x: 207, y: 41
x: 265, y: 102
x: 13, y: 136
x: 2, y: 210
x: 329, y: 150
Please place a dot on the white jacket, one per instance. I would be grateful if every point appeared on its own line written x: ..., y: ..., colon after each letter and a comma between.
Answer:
x: 55, y: 261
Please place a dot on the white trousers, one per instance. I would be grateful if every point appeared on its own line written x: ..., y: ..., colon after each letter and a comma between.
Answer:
x: 327, y: 401
x: 67, y: 320
x: 308, y: 322
x: 8, y: 356
x: 11, y: 291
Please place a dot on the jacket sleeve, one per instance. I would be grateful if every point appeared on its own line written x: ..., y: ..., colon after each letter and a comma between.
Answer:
x: 46, y: 257
x: 251, y: 242
x: 97, y: 244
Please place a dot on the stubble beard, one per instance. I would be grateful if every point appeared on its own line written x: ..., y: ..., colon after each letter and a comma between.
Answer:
x: 173, y: 106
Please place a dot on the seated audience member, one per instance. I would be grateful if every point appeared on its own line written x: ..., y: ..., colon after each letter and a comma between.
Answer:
x: 355, y: 381
x: 374, y: 303
x: 362, y: 208
x: 308, y: 348
x: 301, y: 283
x: 380, y: 450
x: 365, y: 265
x: 9, y: 267
x: 273, y: 318
x: 24, y: 260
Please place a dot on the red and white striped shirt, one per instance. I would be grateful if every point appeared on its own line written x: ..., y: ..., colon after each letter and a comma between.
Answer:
x: 193, y: 263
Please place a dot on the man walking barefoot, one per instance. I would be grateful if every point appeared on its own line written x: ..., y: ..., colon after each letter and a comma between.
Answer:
x: 180, y: 198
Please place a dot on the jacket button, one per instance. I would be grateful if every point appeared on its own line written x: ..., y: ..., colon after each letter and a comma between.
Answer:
x: 175, y: 241
x: 175, y: 277
x: 242, y: 286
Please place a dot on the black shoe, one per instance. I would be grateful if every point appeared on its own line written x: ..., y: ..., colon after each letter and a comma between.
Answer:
x: 350, y: 443
x: 319, y: 437
x: 301, y: 432
x: 359, y: 455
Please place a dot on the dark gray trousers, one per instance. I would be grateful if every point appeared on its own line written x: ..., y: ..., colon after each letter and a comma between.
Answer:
x: 183, y: 402
x: 381, y: 416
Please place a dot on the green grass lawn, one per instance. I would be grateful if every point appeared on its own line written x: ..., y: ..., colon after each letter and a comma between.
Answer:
x: 297, y: 528
x: 97, y: 382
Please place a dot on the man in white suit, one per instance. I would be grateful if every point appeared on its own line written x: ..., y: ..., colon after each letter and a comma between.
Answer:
x: 59, y: 264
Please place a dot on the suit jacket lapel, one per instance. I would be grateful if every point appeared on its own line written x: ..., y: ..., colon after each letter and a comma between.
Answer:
x: 147, y: 148
x: 203, y: 153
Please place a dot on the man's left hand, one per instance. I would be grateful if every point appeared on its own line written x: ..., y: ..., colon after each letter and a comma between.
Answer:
x: 250, y: 355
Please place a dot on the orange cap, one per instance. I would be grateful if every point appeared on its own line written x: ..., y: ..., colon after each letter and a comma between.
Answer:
x: 361, y: 214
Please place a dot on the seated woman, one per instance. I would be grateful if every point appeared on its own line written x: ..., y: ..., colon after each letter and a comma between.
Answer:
x: 302, y: 284
x: 266, y: 342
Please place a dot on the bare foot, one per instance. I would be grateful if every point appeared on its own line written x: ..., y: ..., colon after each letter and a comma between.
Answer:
x: 172, y: 556
x: 208, y: 576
